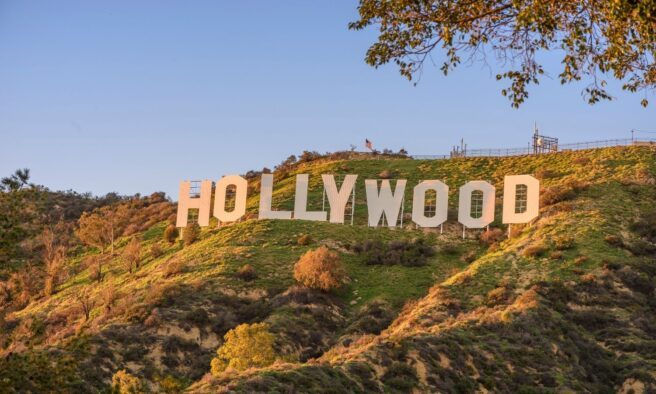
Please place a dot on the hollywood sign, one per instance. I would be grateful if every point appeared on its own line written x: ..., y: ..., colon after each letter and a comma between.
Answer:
x: 520, y: 201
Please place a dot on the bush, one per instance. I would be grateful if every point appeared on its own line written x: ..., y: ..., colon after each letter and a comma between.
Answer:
x: 556, y: 255
x: 613, y: 240
x: 174, y: 266
x: 156, y: 251
x: 582, y: 161
x: 385, y: 174
x: 492, y: 236
x: 556, y: 194
x: 468, y: 257
x: 407, y: 253
x: 190, y: 234
x: 543, y: 174
x: 564, y: 242
x: 497, y: 295
x: 126, y: 383
x: 247, y: 273
x: 400, y: 376
x: 245, y: 346
x: 320, y: 269
x: 304, y: 240
x: 645, y: 226
x: 171, y: 233
x: 534, y: 250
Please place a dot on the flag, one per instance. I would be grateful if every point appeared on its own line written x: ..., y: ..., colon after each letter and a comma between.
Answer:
x: 368, y: 144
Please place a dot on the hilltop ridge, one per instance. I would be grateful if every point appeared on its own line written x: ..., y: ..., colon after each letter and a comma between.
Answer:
x: 565, y: 303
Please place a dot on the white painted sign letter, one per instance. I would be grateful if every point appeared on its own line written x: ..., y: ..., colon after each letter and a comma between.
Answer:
x: 384, y: 201
x: 419, y: 203
x: 266, y: 195
x: 241, y: 189
x: 338, y: 199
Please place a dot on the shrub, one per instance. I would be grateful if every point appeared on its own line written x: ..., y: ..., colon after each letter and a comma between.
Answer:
x: 126, y: 383
x: 556, y: 194
x: 174, y: 266
x: 640, y: 247
x: 516, y: 230
x: 534, y: 250
x: 582, y: 161
x: 197, y: 316
x: 564, y: 242
x: 245, y: 346
x: 542, y: 174
x: 407, y: 253
x: 247, y: 273
x: 468, y: 257
x: 320, y: 269
x: 492, y: 236
x: 171, y: 233
x: 156, y: 251
x: 613, y: 240
x: 190, y: 234
x: 645, y: 226
x: 497, y: 295
x: 556, y: 255
x: 400, y: 376
x: 449, y: 249
x: 304, y: 240
x: 385, y: 174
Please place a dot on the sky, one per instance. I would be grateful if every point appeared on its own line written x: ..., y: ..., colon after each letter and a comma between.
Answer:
x: 135, y: 96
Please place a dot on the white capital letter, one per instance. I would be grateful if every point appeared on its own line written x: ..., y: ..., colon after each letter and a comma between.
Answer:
x: 385, y: 202
x: 520, y: 213
x: 338, y: 199
x: 487, y: 208
x: 241, y: 189
x: 266, y: 195
x: 300, y: 201
x: 202, y: 203
x: 419, y: 203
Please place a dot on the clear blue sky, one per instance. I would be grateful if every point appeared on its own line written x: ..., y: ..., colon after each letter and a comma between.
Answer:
x: 133, y: 96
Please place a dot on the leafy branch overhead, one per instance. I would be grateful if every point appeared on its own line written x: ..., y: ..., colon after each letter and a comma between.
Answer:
x: 597, y: 39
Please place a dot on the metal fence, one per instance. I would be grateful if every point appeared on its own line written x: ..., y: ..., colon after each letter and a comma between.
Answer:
x: 503, y: 152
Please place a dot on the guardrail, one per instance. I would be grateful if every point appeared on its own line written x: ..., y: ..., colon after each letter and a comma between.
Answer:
x: 504, y: 152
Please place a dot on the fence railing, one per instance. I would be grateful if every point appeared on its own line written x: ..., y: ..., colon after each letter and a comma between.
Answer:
x: 503, y: 152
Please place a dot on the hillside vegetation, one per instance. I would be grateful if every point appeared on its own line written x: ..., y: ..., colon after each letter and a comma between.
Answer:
x: 565, y: 304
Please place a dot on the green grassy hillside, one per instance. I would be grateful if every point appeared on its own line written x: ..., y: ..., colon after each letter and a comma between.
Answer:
x: 565, y: 304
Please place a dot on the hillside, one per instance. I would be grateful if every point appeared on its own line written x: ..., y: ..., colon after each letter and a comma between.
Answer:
x: 566, y: 304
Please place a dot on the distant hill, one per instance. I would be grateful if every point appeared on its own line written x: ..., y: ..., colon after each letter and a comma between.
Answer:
x: 567, y: 304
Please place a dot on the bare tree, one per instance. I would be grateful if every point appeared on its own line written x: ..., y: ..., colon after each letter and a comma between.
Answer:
x: 85, y: 301
x: 54, y: 255
x: 132, y: 254
x: 109, y: 297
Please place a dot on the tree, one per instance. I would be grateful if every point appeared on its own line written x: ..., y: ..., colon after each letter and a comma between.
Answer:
x: 597, y: 39
x: 320, y: 269
x: 126, y: 383
x: 245, y: 346
x: 102, y: 226
x: 132, y: 254
x: 53, y: 255
x: 109, y: 297
x: 85, y: 301
x: 19, y: 179
x: 96, y: 263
